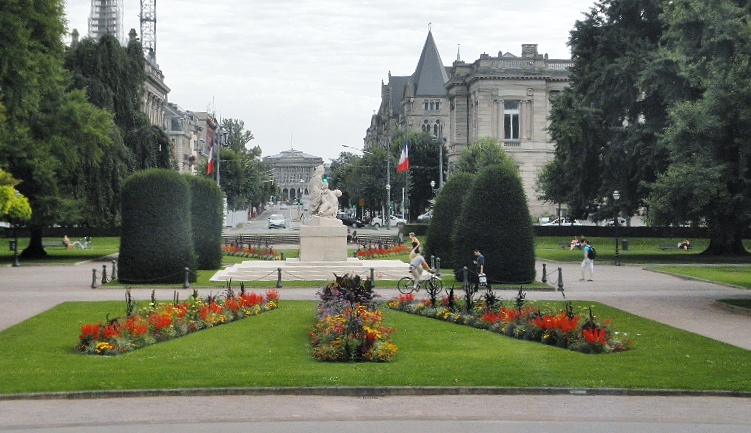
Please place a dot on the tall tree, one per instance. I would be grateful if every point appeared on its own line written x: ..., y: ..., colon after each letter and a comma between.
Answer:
x: 51, y: 134
x: 237, y: 137
x: 606, y: 123
x: 707, y: 48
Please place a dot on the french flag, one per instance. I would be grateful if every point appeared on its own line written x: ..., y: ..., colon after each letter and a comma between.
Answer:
x: 403, y: 159
x: 210, y: 166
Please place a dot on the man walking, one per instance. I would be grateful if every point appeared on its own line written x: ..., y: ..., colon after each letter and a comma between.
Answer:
x: 589, y: 262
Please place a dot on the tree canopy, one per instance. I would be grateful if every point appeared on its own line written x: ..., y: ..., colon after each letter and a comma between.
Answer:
x: 657, y: 108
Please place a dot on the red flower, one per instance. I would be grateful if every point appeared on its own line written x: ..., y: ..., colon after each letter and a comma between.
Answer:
x: 90, y: 330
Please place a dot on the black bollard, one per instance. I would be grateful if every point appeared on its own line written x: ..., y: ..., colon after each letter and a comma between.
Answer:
x: 560, y: 280
x: 114, y: 270
x: 464, y: 277
x: 432, y: 261
x: 282, y: 254
x: 372, y: 276
x: 93, y: 279
x: 438, y: 266
x: 544, y: 274
x: 278, y: 278
x: 104, y: 274
x: 186, y: 284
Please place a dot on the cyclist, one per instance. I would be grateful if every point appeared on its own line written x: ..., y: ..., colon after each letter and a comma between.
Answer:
x: 416, y: 266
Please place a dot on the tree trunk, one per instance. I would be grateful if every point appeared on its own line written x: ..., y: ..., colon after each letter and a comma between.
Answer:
x: 726, y: 245
x: 35, y: 250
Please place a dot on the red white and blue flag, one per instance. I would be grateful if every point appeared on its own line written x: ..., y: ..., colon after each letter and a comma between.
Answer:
x: 210, y: 166
x: 403, y: 159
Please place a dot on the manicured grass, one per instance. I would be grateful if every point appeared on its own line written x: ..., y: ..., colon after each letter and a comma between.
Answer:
x: 59, y: 254
x: 271, y: 350
x: 739, y: 276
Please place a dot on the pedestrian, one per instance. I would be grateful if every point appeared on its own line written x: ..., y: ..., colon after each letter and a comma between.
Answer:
x: 416, y: 266
x: 66, y: 242
x: 588, y: 264
x: 479, y: 262
x: 415, y: 246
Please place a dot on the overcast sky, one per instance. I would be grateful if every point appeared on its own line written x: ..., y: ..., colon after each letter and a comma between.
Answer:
x: 307, y: 74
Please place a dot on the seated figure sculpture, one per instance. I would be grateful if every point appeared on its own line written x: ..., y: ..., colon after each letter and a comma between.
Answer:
x: 329, y: 203
x: 315, y: 190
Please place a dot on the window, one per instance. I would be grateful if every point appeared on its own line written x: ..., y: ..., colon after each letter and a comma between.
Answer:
x: 426, y: 105
x: 510, y: 120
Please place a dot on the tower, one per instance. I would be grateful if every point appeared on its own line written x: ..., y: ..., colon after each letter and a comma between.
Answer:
x: 148, y: 29
x: 106, y: 19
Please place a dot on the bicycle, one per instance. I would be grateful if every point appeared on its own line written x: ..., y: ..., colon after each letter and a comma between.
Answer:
x: 432, y: 284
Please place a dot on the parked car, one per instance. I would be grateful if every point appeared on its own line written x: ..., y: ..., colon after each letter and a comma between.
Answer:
x: 611, y: 222
x: 394, y: 220
x: 563, y: 222
x: 350, y: 220
x: 426, y: 217
x: 277, y: 221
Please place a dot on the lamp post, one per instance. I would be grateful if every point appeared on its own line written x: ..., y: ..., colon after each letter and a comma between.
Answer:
x: 221, y: 140
x: 387, y: 213
x: 15, y: 246
x: 616, y: 196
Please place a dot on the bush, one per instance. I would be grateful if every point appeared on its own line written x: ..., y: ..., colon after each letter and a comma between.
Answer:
x: 495, y: 219
x: 207, y: 217
x: 447, y: 205
x: 156, y: 244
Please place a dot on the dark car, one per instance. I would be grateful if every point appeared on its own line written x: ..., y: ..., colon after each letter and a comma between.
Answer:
x: 350, y: 220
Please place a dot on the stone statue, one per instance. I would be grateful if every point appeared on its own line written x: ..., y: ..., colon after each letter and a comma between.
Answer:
x: 315, y: 190
x: 323, y: 201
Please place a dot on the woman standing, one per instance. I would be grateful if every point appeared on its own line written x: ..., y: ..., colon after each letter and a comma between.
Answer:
x: 415, y: 245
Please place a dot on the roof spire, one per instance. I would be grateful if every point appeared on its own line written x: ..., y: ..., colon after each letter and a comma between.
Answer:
x: 458, y: 57
x: 429, y: 24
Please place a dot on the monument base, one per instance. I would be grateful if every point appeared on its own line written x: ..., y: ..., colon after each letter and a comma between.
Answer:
x: 323, y: 240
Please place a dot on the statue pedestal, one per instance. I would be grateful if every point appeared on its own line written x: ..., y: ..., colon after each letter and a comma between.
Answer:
x: 323, y: 239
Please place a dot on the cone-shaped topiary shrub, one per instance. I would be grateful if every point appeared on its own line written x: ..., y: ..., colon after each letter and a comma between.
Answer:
x: 207, y: 217
x: 156, y: 244
x: 448, y: 204
x: 495, y: 219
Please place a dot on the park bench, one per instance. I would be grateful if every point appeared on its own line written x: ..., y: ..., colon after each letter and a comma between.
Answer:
x: 53, y: 244
x: 259, y: 241
x: 564, y: 245
x: 367, y: 241
x: 664, y: 247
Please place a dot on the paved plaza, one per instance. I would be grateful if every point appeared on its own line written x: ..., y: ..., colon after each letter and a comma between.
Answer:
x: 682, y: 303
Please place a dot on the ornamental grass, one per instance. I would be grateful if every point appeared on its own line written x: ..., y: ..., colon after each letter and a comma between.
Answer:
x: 581, y: 331
x: 350, y: 327
x: 164, y: 321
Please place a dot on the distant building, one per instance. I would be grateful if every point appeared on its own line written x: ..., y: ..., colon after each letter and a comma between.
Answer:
x: 292, y: 170
x: 506, y: 97
x: 185, y: 133
x: 106, y: 18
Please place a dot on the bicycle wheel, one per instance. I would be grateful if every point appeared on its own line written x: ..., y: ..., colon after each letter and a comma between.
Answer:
x: 406, y: 285
x: 437, y: 285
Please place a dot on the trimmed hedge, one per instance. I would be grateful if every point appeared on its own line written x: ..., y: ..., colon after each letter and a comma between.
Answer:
x: 156, y: 244
x: 448, y: 204
x: 207, y: 216
x: 495, y: 219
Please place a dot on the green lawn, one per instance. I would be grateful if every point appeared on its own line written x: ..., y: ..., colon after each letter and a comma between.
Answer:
x: 271, y: 350
x: 60, y: 255
x: 738, y: 276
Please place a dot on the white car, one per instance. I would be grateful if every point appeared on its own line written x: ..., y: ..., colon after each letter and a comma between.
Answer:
x: 394, y: 219
x: 277, y: 221
x: 563, y: 222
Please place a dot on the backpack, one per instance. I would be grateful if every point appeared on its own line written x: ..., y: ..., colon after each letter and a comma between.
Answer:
x: 591, y: 254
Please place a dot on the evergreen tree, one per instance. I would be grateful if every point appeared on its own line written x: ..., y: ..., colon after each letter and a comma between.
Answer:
x: 448, y: 204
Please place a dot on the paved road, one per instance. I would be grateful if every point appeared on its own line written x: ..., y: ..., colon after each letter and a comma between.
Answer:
x: 686, y: 304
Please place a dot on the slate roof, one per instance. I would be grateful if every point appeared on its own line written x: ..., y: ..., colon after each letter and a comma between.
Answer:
x: 430, y: 74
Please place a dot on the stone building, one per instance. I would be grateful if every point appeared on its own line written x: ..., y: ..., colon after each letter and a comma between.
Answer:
x: 418, y: 102
x: 292, y: 170
x: 185, y: 134
x: 507, y: 98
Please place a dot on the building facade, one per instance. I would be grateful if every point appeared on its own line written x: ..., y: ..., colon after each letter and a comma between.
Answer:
x: 292, y: 170
x: 185, y: 134
x: 507, y: 98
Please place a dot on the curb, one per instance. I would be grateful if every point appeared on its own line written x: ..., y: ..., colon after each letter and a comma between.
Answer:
x: 372, y: 392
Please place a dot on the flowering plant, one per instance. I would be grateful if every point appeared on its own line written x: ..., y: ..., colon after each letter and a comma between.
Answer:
x: 164, y: 321
x: 372, y: 253
x: 563, y: 329
x: 349, y: 327
x: 251, y: 253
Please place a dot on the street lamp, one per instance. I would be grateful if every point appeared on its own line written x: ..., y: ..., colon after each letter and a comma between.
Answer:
x: 386, y: 215
x: 616, y: 196
x: 221, y: 141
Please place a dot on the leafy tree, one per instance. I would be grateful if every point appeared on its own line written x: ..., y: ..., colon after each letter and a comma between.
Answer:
x: 424, y: 151
x: 448, y: 204
x: 479, y: 154
x: 707, y: 48
x: 14, y: 207
x: 237, y: 137
x: 495, y: 219
x: 50, y: 135
x: 606, y: 123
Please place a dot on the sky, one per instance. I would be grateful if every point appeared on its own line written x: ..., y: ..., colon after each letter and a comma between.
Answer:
x: 307, y: 74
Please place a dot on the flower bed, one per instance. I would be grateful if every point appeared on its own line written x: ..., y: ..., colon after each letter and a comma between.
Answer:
x: 251, y: 253
x: 165, y: 321
x: 349, y: 327
x: 579, y: 332
x: 373, y: 253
